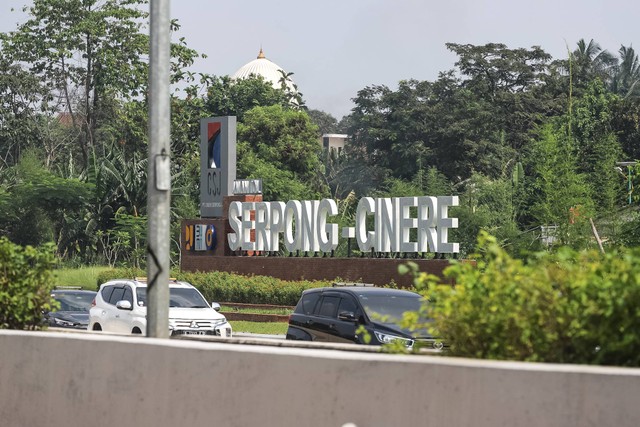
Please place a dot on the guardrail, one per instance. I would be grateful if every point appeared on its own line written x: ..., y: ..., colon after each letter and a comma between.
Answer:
x: 255, y: 317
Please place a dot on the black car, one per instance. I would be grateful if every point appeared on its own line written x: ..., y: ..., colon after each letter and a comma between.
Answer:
x: 335, y: 314
x: 74, y: 308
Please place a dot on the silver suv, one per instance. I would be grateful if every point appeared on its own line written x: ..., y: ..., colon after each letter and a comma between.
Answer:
x: 120, y: 306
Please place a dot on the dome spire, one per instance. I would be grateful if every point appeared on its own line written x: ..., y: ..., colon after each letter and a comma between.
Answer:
x: 261, y: 54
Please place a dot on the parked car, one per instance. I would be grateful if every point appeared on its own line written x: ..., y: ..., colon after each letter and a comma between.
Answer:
x: 74, y: 308
x: 335, y: 314
x: 121, y: 307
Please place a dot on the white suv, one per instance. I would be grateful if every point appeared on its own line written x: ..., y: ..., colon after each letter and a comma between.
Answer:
x: 120, y: 307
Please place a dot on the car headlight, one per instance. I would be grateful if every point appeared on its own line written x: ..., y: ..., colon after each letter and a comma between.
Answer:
x: 388, y: 338
x: 60, y: 322
x: 220, y: 322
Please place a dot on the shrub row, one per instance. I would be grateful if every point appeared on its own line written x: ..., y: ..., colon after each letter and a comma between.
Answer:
x: 227, y: 287
x: 221, y: 286
x: 564, y: 307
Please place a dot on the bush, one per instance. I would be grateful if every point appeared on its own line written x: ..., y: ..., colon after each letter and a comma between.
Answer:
x: 220, y: 286
x: 84, y: 277
x: 226, y: 287
x: 25, y: 284
x: 567, y: 307
x: 118, y: 273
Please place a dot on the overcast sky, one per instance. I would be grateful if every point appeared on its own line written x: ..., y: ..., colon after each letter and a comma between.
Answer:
x: 337, y: 47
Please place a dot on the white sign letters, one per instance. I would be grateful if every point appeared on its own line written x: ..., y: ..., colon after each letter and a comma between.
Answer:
x: 305, y: 225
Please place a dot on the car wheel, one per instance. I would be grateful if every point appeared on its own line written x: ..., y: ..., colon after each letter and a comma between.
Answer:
x: 97, y: 327
x: 136, y: 331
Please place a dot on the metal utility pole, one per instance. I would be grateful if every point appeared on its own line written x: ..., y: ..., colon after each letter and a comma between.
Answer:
x: 159, y: 173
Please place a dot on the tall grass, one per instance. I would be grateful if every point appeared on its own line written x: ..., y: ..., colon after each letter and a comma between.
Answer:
x: 84, y: 277
x: 270, y: 328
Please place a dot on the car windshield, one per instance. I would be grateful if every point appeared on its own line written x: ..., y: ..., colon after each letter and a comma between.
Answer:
x: 178, y: 297
x: 389, y: 308
x: 79, y: 301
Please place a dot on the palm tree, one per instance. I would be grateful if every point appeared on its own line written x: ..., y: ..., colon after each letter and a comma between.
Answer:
x: 291, y: 90
x: 590, y: 61
x: 627, y: 73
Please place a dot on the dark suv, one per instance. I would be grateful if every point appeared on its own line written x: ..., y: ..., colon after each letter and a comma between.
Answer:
x: 335, y: 314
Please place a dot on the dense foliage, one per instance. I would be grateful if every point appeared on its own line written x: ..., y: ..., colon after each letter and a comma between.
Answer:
x: 281, y: 147
x: 25, y: 284
x: 226, y: 287
x: 567, y: 307
x: 530, y: 143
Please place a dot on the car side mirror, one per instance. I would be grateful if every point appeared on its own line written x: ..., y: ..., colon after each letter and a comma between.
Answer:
x: 124, y: 305
x: 215, y: 306
x: 347, y: 316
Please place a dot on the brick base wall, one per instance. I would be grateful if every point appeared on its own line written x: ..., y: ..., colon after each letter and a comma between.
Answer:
x: 379, y: 271
x: 376, y: 271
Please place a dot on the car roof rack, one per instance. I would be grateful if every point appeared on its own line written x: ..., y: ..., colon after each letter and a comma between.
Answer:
x: 342, y: 284
x: 76, y: 288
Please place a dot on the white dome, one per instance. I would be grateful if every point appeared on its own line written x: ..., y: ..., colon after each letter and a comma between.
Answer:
x: 270, y: 72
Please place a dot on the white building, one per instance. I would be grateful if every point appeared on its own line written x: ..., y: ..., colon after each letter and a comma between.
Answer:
x: 273, y: 73
x: 334, y: 141
x: 268, y: 70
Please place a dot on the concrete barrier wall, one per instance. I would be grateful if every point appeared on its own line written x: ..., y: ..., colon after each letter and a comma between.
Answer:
x: 52, y: 379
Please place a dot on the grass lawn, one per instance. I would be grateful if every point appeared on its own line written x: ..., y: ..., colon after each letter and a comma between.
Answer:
x: 271, y: 328
x: 283, y: 311
x: 84, y: 277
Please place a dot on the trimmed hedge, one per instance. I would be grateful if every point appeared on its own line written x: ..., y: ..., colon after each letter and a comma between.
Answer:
x: 221, y: 286
x: 227, y: 287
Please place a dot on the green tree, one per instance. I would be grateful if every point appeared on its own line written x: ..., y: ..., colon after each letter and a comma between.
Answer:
x: 464, y: 138
x: 88, y: 52
x: 213, y: 96
x: 326, y: 122
x: 626, y: 80
x: 388, y: 131
x: 83, y: 51
x: 511, y: 81
x: 290, y: 89
x: 555, y: 186
x: 476, y: 120
x: 281, y: 146
x: 486, y: 204
x: 346, y: 175
x: 344, y: 124
x: 119, y: 182
x: 626, y: 123
x: 590, y: 62
x: 23, y: 114
x: 38, y: 204
x: 227, y: 97
x: 597, y: 146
